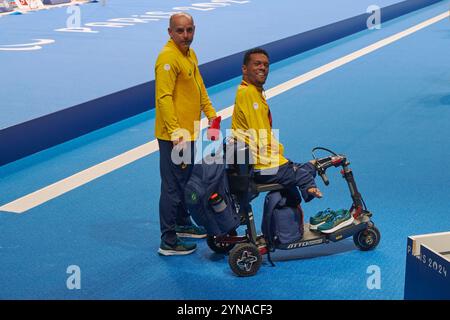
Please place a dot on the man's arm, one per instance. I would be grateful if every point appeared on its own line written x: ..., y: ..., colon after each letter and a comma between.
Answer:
x: 239, y: 119
x: 166, y: 73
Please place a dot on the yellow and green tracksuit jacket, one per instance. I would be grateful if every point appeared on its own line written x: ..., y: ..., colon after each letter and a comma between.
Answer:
x: 180, y: 94
x: 251, y: 123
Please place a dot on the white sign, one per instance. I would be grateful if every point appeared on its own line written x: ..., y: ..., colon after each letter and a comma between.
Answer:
x: 29, y: 4
x: 35, y: 4
x: 22, y: 4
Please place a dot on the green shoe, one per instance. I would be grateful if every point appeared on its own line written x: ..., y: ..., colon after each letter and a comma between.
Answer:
x: 320, y: 218
x: 191, y: 231
x: 341, y: 219
x: 180, y: 248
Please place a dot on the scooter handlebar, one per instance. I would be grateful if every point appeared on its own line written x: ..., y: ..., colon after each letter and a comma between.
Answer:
x: 324, y: 178
x: 323, y: 164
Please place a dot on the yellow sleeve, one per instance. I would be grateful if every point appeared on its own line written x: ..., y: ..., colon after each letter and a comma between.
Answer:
x: 253, y: 117
x: 166, y: 72
x: 239, y: 120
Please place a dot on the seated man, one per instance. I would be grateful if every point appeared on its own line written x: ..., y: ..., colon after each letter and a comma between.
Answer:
x: 252, y: 123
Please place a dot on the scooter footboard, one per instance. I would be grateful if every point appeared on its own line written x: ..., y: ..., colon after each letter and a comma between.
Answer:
x: 315, y: 238
x: 347, y: 231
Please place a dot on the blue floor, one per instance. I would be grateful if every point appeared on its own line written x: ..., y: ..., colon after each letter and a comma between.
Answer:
x: 387, y: 111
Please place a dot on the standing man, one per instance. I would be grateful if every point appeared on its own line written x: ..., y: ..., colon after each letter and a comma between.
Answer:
x: 180, y: 99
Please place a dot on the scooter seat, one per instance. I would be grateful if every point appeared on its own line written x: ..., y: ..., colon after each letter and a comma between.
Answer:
x: 268, y: 187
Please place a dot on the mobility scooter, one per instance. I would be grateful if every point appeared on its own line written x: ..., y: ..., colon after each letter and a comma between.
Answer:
x: 246, y: 251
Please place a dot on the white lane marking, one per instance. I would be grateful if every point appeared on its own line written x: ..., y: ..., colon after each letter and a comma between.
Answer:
x: 26, y: 46
x: 56, y: 189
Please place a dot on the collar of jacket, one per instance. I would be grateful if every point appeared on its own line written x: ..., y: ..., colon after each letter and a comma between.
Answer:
x: 172, y: 44
x: 246, y: 84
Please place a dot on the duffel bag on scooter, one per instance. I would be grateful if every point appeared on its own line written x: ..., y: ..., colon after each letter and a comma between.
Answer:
x: 209, y: 201
x: 283, y: 217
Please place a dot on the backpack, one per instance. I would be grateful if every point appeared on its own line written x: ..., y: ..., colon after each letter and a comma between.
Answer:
x: 283, y: 217
x: 208, y: 199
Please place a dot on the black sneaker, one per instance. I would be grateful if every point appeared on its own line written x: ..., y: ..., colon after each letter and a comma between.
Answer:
x: 180, y: 248
x: 191, y: 231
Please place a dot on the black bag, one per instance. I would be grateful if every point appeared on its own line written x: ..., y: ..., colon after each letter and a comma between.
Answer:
x: 209, y: 201
x: 283, y: 217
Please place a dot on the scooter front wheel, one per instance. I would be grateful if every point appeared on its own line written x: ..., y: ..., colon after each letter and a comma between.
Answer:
x: 367, y: 239
x: 245, y: 259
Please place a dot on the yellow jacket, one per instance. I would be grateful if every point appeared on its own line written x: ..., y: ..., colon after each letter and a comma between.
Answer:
x: 180, y: 94
x: 251, y: 123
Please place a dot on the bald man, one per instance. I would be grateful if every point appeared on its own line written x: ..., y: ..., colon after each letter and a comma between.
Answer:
x: 181, y: 97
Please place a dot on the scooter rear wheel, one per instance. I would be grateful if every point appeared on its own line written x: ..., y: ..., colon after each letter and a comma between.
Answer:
x: 220, y: 247
x: 245, y: 259
x: 367, y: 239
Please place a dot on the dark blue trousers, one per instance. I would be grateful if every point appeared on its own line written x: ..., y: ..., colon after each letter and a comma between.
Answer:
x: 172, y: 210
x: 292, y: 174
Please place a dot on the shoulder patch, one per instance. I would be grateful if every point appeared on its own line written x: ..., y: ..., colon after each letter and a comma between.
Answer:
x: 255, y: 105
x: 167, y: 67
